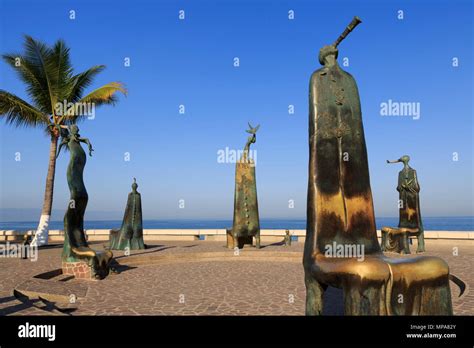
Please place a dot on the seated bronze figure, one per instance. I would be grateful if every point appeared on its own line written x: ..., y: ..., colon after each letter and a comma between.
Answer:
x: 410, y: 224
x: 130, y: 235
x: 340, y: 213
x: 246, y: 223
x: 76, y: 248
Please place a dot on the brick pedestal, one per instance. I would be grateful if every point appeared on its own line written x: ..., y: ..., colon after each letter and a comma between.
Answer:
x: 80, y: 270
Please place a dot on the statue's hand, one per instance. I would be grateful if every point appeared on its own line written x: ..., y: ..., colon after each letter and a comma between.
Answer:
x: 90, y: 150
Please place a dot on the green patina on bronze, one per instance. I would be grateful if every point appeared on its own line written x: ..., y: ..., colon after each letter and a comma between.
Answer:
x: 130, y: 235
x: 76, y: 247
x: 340, y: 213
x: 410, y: 223
x: 246, y: 224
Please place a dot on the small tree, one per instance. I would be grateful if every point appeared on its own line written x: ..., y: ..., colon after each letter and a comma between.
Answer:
x: 57, y: 98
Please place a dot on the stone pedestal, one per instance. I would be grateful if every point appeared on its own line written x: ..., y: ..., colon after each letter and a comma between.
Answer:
x: 80, y: 270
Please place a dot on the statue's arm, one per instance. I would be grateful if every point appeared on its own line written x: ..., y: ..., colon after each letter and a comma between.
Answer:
x: 250, y: 140
x: 86, y: 141
x: 415, y: 186
x: 400, y: 183
x: 312, y: 104
x: 63, y: 142
x: 357, y: 106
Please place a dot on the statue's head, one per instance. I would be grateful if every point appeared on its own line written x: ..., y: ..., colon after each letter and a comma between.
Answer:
x: 404, y: 159
x: 134, y: 185
x: 327, y: 51
x: 74, y: 129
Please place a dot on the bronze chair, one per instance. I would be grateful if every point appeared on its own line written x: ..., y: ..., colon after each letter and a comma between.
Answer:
x: 340, y: 214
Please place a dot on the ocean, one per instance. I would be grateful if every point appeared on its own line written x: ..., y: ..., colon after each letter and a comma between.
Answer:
x: 430, y: 223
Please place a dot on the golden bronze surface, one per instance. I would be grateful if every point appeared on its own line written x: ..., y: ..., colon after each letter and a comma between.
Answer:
x: 341, y: 246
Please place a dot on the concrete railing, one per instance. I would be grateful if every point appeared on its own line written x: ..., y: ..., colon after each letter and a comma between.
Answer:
x: 267, y: 235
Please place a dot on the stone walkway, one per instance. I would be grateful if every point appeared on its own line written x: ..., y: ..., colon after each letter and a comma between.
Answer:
x: 188, y: 284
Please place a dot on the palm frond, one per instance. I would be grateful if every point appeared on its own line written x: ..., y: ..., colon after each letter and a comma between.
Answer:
x: 106, y: 94
x: 83, y: 80
x: 52, y: 86
x: 60, y: 71
x: 18, y: 112
x: 34, y: 84
x: 40, y: 61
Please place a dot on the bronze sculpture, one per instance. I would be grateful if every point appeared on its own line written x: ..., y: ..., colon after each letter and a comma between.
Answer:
x: 410, y: 224
x: 287, y: 238
x: 246, y: 223
x: 76, y: 249
x: 340, y: 213
x: 130, y: 235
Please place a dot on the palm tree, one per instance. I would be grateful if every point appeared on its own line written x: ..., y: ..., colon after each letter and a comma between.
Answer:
x: 51, y: 84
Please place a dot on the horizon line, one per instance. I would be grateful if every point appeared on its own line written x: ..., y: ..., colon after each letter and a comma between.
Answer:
x: 264, y: 218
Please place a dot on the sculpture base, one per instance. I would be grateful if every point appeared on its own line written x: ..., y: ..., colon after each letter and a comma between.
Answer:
x: 118, y: 241
x: 239, y: 242
x: 373, y: 286
x: 85, y: 263
x: 80, y: 270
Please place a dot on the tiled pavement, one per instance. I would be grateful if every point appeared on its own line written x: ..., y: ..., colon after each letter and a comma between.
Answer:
x: 241, y: 287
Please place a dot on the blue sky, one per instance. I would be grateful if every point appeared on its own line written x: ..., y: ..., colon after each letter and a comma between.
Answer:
x: 190, y: 62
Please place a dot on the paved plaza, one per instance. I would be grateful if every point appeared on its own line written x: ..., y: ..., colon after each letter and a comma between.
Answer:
x: 192, y: 278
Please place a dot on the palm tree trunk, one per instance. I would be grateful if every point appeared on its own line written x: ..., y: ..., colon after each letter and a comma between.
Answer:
x: 41, y: 235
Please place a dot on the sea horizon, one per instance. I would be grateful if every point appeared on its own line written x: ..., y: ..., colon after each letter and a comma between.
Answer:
x: 457, y: 223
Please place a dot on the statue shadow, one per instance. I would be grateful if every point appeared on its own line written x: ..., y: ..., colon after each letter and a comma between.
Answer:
x: 14, y: 308
x: 124, y: 257
x: 7, y: 299
x: 50, y: 246
x: 27, y: 303
x: 151, y: 246
x: 121, y: 268
x: 282, y: 243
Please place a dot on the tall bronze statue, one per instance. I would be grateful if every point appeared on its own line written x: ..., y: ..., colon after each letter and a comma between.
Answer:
x: 76, y: 249
x: 246, y: 223
x: 130, y: 235
x: 409, y: 224
x: 341, y: 246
